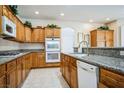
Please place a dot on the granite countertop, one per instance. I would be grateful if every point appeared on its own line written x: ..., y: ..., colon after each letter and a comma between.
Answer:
x: 4, y: 60
x: 111, y: 63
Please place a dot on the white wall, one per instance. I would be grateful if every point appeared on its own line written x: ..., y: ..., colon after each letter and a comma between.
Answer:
x: 77, y: 26
x: 116, y: 26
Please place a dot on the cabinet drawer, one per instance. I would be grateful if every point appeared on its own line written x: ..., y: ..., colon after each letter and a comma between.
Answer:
x: 111, y: 79
x: 2, y: 69
x: 11, y: 66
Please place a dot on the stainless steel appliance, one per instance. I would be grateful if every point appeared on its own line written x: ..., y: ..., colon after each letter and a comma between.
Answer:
x: 52, y: 46
x: 87, y: 75
x: 8, y: 27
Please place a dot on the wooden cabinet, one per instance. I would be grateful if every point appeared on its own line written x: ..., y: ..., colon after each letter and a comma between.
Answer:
x: 34, y: 60
x: 19, y: 71
x: 3, y: 81
x: 38, y: 59
x: 101, y: 38
x: 27, y: 63
x: 73, y: 80
x: 11, y: 74
x: 28, y: 32
x: 111, y: 79
x: 38, y: 35
x: 23, y: 68
x: 52, y: 32
x: 41, y: 59
x: 20, y: 35
x: 69, y: 70
x: 5, y: 11
x: 2, y: 76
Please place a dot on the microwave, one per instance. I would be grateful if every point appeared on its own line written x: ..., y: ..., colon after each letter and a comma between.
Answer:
x: 8, y: 27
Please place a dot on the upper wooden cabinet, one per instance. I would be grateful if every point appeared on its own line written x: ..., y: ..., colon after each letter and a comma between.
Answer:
x: 101, y: 38
x: 28, y: 32
x: 52, y: 32
x: 38, y: 35
x: 20, y: 34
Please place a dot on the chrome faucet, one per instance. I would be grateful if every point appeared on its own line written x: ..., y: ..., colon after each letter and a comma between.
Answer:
x: 86, y: 45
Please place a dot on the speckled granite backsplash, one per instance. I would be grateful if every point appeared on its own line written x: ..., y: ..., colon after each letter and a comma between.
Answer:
x: 110, y: 52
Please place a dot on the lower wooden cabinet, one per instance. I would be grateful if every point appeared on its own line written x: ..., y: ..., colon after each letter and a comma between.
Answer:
x: 19, y: 71
x: 3, y: 76
x: 3, y: 81
x: 73, y: 80
x: 111, y: 79
x: 11, y: 74
x: 11, y: 78
x: 69, y: 70
x: 41, y: 59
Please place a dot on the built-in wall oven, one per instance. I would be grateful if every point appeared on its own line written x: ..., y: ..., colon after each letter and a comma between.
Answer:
x: 52, y: 46
x: 52, y: 57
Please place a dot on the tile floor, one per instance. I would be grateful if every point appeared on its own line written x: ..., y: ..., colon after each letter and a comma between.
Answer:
x: 45, y: 78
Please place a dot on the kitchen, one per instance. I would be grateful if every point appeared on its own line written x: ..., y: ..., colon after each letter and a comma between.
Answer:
x: 39, y: 50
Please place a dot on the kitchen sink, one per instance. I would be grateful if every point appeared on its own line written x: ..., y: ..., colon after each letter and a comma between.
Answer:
x: 79, y: 54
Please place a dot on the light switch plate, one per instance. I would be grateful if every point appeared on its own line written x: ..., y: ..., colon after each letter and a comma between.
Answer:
x: 121, y: 53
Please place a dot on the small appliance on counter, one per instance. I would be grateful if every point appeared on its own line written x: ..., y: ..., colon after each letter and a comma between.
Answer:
x: 52, y: 46
x: 8, y: 27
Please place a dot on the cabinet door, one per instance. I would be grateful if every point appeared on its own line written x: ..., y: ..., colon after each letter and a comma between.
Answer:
x: 11, y: 79
x: 56, y: 32
x: 27, y: 34
x: 20, y: 35
x: 35, y: 35
x: 67, y: 72
x: 49, y: 32
x: 41, y: 35
x: 93, y: 37
x: 101, y: 35
x: 23, y: 68
x: 34, y: 60
x: 111, y: 79
x: 109, y: 38
x: 19, y: 71
x: 73, y: 71
x: 3, y: 81
x: 40, y: 59
x: 5, y: 11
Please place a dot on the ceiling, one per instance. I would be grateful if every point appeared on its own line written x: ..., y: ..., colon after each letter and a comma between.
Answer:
x: 81, y: 13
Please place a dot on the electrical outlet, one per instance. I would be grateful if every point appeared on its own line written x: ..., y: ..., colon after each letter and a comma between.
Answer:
x: 121, y: 53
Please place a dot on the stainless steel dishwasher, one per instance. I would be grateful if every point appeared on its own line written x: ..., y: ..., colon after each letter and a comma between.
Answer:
x: 88, y: 76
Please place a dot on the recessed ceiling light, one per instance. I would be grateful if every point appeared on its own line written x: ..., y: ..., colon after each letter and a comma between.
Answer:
x: 62, y: 14
x: 90, y: 20
x: 107, y: 19
x: 36, y: 12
